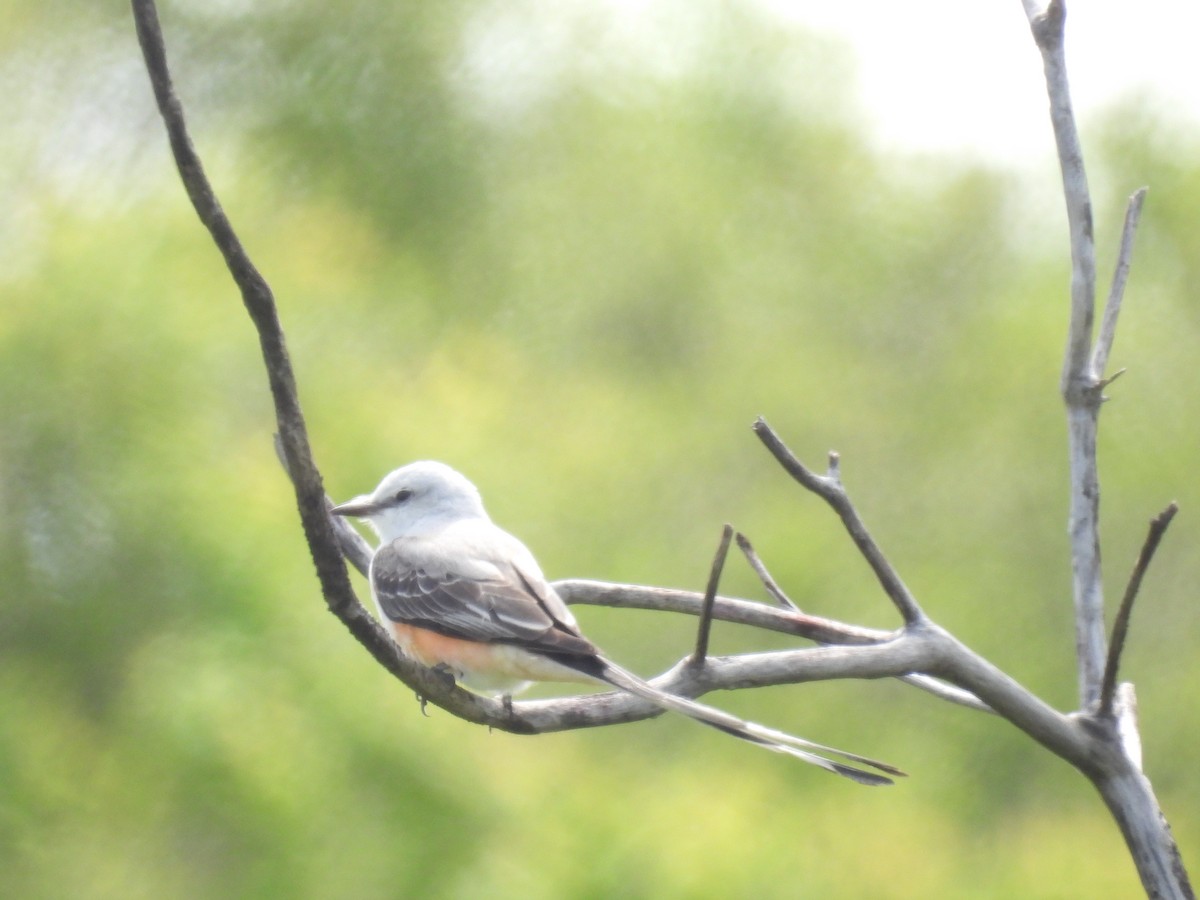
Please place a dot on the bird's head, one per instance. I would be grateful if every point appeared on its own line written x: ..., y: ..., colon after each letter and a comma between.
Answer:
x: 415, y: 497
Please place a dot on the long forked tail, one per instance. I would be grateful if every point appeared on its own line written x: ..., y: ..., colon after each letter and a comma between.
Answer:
x: 769, y: 738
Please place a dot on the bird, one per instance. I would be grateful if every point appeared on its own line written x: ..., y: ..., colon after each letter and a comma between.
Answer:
x: 461, y: 595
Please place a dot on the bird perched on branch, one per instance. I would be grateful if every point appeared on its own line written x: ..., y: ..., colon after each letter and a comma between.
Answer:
x: 461, y: 595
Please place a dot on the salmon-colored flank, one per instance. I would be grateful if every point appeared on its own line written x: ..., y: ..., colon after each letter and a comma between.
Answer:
x: 489, y: 663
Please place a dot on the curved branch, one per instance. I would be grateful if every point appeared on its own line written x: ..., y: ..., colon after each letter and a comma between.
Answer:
x: 293, y: 435
x: 1158, y: 527
x: 704, y: 628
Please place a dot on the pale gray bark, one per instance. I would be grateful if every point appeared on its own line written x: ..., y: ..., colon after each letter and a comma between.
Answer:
x: 1115, y: 755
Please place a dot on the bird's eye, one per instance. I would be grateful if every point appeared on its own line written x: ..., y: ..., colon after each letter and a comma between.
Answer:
x: 402, y: 495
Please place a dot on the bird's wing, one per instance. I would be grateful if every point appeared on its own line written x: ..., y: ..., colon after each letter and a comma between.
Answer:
x: 449, y: 587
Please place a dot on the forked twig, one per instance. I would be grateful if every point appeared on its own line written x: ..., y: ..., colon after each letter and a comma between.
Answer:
x: 829, y: 488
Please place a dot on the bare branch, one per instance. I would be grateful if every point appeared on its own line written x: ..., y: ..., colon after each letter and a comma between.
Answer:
x: 1111, y: 768
x: 1116, y: 293
x: 1084, y: 529
x: 764, y: 576
x: 1063, y: 735
x: 1158, y: 526
x: 293, y: 435
x: 260, y: 303
x: 1079, y: 386
x: 829, y: 489
x: 727, y: 609
x: 704, y: 628
x: 1130, y: 798
x: 351, y: 544
x: 924, y: 648
x: 1048, y: 32
x: 748, y: 671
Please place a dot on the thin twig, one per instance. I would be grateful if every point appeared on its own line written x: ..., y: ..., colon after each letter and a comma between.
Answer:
x: 1116, y: 293
x: 764, y: 576
x: 948, y: 692
x: 352, y: 544
x: 704, y: 628
x: 1158, y: 526
x: 829, y: 489
x: 726, y: 609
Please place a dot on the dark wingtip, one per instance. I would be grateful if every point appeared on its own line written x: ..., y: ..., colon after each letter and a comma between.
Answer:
x: 867, y: 778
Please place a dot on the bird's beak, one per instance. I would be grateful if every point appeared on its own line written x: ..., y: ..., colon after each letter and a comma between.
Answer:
x: 360, y: 507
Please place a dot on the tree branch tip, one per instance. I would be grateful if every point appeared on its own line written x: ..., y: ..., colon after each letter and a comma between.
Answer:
x: 1133, y: 207
x: 1105, y: 382
x: 1048, y: 25
x: 834, y: 470
x: 773, y: 588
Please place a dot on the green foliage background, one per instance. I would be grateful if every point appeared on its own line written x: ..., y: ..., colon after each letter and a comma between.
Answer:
x: 573, y: 259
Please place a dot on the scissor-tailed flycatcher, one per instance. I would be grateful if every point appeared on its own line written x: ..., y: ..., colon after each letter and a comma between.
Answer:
x: 460, y: 594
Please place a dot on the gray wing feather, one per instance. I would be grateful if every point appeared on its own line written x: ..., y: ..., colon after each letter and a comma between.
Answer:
x: 491, y: 608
